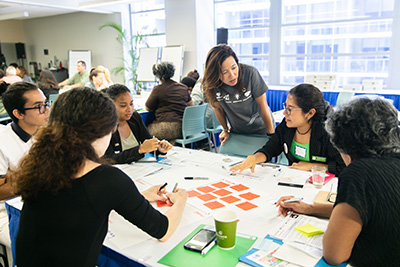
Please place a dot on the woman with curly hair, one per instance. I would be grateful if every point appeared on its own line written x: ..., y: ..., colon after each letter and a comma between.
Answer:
x: 68, y: 192
x: 364, y: 222
x: 168, y: 101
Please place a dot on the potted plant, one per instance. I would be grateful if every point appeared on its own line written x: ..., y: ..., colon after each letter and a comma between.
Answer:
x: 133, y: 43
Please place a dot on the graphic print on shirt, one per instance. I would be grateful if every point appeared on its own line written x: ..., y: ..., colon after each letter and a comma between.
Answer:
x: 237, y: 97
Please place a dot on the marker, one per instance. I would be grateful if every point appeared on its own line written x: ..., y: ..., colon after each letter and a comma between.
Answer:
x: 162, y: 187
x: 207, y: 249
x: 196, y: 178
x: 295, y: 199
x: 173, y: 190
x: 277, y: 172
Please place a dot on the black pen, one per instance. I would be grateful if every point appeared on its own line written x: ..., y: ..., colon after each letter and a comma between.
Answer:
x: 162, y: 187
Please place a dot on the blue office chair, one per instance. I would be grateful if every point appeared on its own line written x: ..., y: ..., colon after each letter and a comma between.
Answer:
x: 344, y: 97
x: 243, y: 145
x: 52, y: 98
x: 193, y: 125
x: 215, y: 129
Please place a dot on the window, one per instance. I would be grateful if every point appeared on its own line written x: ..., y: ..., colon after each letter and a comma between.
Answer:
x: 148, y: 19
x: 247, y: 22
x: 348, y: 38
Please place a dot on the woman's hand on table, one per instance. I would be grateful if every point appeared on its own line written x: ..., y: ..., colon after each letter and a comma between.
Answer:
x: 149, y: 145
x: 286, y: 208
x: 164, y: 146
x: 302, y: 165
x: 179, y: 196
x: 154, y: 193
x: 248, y: 163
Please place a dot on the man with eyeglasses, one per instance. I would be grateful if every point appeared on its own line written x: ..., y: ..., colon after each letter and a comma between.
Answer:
x: 26, y: 105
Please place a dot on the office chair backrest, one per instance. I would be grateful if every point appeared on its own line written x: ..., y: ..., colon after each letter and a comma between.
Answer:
x: 243, y: 145
x: 344, y: 97
x: 193, y: 121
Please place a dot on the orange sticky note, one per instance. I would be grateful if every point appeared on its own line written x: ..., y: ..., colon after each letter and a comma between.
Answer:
x: 206, y: 197
x: 222, y: 192
x: 239, y: 187
x: 206, y: 189
x: 193, y: 193
x: 249, y: 196
x: 220, y: 185
x: 214, y: 205
x: 246, y: 206
x: 230, y: 199
x: 163, y: 204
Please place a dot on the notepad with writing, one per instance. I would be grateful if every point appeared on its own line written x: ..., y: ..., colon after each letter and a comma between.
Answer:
x: 179, y: 256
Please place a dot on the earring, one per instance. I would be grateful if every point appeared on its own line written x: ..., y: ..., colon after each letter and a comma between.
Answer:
x: 307, y: 117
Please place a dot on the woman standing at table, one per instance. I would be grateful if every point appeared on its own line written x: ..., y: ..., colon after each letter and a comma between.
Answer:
x: 237, y: 93
x: 364, y: 224
x: 131, y: 140
x: 68, y: 193
x: 300, y: 135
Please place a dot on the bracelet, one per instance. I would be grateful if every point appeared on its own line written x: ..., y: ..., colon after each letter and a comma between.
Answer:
x: 227, y: 130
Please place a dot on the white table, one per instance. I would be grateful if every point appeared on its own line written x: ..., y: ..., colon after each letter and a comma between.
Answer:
x: 182, y: 162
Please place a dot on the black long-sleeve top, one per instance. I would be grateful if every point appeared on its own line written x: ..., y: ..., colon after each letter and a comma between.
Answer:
x: 139, y: 130
x: 321, y: 148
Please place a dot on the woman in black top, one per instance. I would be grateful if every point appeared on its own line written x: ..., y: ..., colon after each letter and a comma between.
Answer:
x: 68, y: 194
x: 364, y: 222
x: 131, y: 140
x: 301, y: 135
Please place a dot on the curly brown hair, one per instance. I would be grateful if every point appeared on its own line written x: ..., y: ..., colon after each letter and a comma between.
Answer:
x: 78, y: 118
x: 213, y: 71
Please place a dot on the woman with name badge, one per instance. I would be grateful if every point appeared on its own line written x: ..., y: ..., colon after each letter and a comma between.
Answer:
x: 364, y: 222
x: 237, y: 93
x: 131, y: 140
x: 68, y: 192
x: 301, y: 135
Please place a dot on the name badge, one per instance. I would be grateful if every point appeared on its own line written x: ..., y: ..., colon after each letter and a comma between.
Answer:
x: 320, y: 159
x: 300, y: 151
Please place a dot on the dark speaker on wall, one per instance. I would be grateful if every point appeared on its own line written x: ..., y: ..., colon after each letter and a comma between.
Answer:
x: 20, y: 47
x: 222, y: 36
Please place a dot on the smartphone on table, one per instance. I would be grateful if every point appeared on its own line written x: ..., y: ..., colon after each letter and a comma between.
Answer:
x: 200, y: 240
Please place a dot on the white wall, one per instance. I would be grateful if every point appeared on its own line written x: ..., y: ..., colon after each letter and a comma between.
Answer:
x: 74, y: 31
x: 190, y: 23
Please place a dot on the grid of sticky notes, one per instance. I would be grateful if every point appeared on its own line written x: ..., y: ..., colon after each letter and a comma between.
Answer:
x: 221, y: 194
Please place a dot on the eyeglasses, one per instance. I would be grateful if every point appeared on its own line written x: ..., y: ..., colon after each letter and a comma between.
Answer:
x: 289, y: 110
x: 42, y: 108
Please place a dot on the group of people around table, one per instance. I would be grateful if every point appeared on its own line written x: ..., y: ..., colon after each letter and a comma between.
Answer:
x: 69, y: 190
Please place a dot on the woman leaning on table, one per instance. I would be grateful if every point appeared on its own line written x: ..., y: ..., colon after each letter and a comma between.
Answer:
x: 68, y: 193
x: 237, y: 93
x: 131, y: 140
x: 301, y: 134
x: 364, y: 224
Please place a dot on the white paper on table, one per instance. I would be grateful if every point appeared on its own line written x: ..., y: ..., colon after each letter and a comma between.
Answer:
x: 285, y: 231
x: 16, y: 202
x: 122, y: 233
x: 140, y: 170
x: 292, y: 176
x: 293, y: 255
x: 310, y: 250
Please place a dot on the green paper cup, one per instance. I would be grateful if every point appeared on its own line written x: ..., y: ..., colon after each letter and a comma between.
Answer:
x: 225, y: 226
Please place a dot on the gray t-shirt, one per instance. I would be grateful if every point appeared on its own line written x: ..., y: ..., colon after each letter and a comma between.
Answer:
x: 241, y: 108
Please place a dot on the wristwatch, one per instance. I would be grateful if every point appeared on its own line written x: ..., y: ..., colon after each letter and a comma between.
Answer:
x: 227, y: 130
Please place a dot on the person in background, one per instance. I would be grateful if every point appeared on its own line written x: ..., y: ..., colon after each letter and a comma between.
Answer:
x: 3, y: 88
x: 364, y: 222
x: 131, y: 140
x: 24, y: 74
x: 96, y: 80
x: 189, y: 82
x: 168, y: 101
x: 68, y: 193
x: 107, y: 75
x: 2, y: 73
x: 11, y: 76
x: 48, y: 83
x: 194, y: 74
x: 79, y: 79
x: 237, y: 93
x: 301, y: 134
x: 15, y: 65
x: 26, y: 105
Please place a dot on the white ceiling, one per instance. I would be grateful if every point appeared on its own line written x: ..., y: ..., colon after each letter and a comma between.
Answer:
x: 28, y: 9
